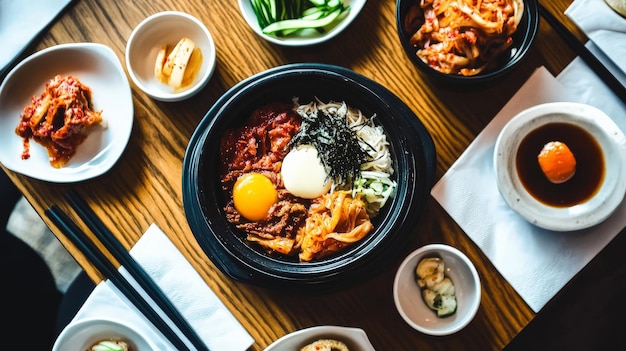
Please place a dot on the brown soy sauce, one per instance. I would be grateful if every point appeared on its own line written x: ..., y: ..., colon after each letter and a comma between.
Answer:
x: 590, y: 165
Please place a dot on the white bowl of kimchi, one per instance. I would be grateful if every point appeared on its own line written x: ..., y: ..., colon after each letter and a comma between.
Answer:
x: 475, y: 43
x: 101, y: 103
x: 339, y: 237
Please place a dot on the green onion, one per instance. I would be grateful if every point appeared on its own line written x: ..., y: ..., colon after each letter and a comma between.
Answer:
x: 288, y: 17
x: 286, y: 25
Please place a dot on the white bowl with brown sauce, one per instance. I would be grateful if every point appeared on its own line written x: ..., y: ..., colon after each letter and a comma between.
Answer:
x: 153, y: 62
x: 597, y: 184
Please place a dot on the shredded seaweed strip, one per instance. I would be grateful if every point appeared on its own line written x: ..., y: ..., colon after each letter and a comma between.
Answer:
x: 339, y: 147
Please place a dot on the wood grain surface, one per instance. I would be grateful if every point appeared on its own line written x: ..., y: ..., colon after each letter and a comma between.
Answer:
x: 144, y: 187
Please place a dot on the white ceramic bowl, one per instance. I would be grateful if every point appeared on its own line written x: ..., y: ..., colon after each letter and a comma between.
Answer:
x: 83, y: 333
x: 96, y: 66
x: 150, y: 35
x: 585, y: 214
x: 310, y: 37
x: 354, y: 338
x: 408, y: 296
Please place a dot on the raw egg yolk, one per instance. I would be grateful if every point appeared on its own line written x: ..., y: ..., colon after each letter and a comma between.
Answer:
x: 557, y: 162
x: 253, y: 195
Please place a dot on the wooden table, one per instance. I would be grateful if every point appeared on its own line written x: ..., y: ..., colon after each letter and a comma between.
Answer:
x: 144, y: 187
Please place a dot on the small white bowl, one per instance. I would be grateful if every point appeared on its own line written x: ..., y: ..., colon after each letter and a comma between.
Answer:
x: 408, y: 295
x: 310, y: 37
x: 354, y: 338
x: 596, y: 209
x: 84, y: 333
x: 98, y: 67
x: 150, y: 35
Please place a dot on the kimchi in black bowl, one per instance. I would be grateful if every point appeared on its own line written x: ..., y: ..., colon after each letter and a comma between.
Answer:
x: 467, y: 46
x: 224, y: 234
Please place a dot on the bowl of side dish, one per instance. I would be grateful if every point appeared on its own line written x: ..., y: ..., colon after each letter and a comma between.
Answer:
x: 323, y: 337
x: 303, y: 27
x: 97, y: 333
x: 271, y: 251
x: 437, y: 290
x: 480, y: 50
x: 170, y: 56
x: 561, y: 165
x: 102, y: 113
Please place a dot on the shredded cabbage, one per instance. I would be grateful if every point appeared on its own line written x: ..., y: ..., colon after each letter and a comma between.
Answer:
x: 375, y: 188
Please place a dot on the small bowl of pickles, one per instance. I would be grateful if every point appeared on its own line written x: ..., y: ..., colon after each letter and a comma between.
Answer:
x: 300, y: 23
x: 437, y: 290
x: 170, y: 56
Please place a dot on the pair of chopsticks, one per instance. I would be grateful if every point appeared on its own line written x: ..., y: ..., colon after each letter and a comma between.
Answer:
x: 590, y: 59
x: 104, y: 265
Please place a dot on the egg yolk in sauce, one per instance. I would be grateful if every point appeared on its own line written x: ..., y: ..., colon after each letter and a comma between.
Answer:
x: 557, y: 162
x: 303, y: 173
x: 253, y: 195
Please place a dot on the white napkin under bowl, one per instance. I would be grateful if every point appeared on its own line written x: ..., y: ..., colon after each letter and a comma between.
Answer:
x: 536, y: 262
x: 186, y: 289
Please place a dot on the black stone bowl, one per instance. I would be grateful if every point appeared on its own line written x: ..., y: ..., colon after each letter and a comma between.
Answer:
x: 523, y: 39
x: 414, y: 159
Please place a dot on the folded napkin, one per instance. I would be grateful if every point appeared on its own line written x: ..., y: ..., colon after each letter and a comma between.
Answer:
x: 185, y: 288
x: 605, y: 27
x: 536, y: 262
x: 20, y: 22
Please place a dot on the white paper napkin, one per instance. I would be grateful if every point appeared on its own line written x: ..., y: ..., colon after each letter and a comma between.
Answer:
x: 183, y: 285
x: 21, y: 21
x: 536, y: 262
x: 603, y: 26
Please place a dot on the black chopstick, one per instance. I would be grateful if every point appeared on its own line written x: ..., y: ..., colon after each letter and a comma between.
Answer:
x: 97, y: 258
x: 590, y: 59
x: 118, y: 251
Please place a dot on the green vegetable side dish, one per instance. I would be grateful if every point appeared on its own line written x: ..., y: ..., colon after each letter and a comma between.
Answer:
x: 290, y: 17
x: 438, y: 290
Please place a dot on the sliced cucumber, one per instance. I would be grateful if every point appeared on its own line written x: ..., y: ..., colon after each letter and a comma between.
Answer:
x: 429, y: 271
x: 438, y: 290
x: 443, y: 305
x: 444, y: 287
x: 287, y: 17
x: 296, y: 24
x: 430, y: 298
x: 446, y: 306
